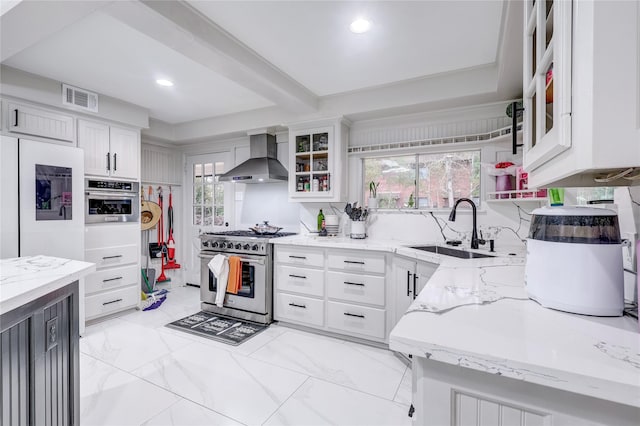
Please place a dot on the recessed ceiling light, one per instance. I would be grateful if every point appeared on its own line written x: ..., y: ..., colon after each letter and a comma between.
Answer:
x: 360, y: 26
x: 163, y: 82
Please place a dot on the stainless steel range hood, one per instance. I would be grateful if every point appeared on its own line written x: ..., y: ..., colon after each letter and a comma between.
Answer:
x: 262, y: 165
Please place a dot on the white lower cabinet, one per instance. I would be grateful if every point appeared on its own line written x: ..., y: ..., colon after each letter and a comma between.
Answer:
x: 115, y: 286
x: 358, y: 319
x: 300, y: 280
x: 358, y: 288
x: 410, y: 278
x: 101, y: 304
x: 299, y: 309
x: 445, y: 394
x: 340, y: 291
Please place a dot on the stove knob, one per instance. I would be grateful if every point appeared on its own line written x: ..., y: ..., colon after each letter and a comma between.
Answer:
x: 214, y: 244
x: 254, y: 247
x: 238, y: 246
x: 226, y: 245
x: 205, y: 243
x: 246, y: 246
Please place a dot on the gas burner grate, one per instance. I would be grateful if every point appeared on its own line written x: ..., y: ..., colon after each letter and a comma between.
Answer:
x: 249, y: 234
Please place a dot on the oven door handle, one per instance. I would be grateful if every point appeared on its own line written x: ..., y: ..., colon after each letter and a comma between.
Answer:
x: 242, y: 259
x: 106, y: 194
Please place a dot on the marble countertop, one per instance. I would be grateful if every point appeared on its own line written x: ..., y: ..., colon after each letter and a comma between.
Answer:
x: 475, y: 313
x: 480, y: 317
x: 24, y: 279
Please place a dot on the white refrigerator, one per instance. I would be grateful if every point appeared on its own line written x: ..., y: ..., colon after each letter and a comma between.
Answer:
x: 41, y: 199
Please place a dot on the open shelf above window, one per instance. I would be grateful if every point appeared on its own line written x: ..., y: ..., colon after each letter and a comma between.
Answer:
x: 527, y: 195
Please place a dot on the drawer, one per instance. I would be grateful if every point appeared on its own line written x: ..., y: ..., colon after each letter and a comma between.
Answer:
x: 101, y: 304
x: 300, y: 280
x: 372, y: 263
x: 111, y: 235
x: 356, y: 319
x: 112, y: 256
x: 299, y: 309
x: 111, y: 278
x: 357, y: 288
x: 300, y: 256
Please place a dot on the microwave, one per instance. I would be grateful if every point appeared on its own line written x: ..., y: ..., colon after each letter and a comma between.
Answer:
x: 108, y: 201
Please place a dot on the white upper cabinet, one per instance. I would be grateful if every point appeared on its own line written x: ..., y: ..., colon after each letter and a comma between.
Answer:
x: 108, y: 150
x: 317, y: 161
x: 581, y: 92
x: 28, y: 120
x: 125, y: 151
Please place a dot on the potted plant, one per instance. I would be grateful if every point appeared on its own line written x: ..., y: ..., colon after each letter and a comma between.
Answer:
x: 373, y: 193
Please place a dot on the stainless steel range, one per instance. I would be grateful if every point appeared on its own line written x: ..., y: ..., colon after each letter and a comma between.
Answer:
x: 254, y: 301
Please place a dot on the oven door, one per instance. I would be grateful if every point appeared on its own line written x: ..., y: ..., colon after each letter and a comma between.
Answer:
x: 252, y: 295
x: 112, y: 206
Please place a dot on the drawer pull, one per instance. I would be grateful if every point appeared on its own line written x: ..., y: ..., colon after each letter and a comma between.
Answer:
x: 113, y: 301
x: 297, y: 257
x: 297, y: 276
x: 354, y: 262
x: 111, y: 257
x: 297, y: 306
x: 350, y: 283
x: 111, y: 279
x: 353, y: 315
x: 15, y: 121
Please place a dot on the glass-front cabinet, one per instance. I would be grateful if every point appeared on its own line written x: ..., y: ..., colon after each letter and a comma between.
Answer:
x: 547, y: 80
x: 317, y: 162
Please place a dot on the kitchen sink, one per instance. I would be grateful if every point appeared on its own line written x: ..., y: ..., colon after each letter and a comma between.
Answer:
x: 447, y: 251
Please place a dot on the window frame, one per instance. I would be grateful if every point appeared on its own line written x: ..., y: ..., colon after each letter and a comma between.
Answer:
x: 486, y: 151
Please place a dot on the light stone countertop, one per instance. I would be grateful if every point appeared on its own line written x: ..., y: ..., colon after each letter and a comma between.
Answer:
x: 24, y: 279
x: 475, y: 313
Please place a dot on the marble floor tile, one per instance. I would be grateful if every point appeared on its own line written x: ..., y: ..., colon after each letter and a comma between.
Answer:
x: 403, y: 396
x: 186, y: 413
x: 318, y: 402
x: 109, y: 396
x: 360, y: 367
x: 128, y: 346
x: 245, y: 389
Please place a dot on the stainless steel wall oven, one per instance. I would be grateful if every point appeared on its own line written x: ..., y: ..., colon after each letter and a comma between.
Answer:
x: 111, y: 201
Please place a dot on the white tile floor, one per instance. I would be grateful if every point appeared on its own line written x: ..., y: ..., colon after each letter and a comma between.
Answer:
x: 135, y: 371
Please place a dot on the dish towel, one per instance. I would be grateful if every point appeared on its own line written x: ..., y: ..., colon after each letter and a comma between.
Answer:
x: 220, y: 268
x: 235, y: 275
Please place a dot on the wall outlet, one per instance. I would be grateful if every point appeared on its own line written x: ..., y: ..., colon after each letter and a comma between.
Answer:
x: 629, y: 250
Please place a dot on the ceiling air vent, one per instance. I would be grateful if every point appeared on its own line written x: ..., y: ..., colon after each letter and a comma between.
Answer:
x: 79, y: 98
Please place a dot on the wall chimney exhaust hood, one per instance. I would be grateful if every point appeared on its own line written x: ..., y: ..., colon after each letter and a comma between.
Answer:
x: 262, y: 165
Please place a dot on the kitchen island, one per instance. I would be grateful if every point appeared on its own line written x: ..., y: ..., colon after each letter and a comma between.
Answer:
x: 483, y: 353
x: 39, y: 340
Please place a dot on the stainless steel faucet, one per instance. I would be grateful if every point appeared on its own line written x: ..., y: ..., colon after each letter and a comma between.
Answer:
x: 474, y: 233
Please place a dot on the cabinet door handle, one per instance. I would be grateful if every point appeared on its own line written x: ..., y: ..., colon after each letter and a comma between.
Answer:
x: 297, y: 306
x: 408, y: 279
x: 111, y: 257
x: 15, y: 119
x: 354, y: 262
x: 108, y: 161
x: 298, y: 276
x: 115, y: 161
x: 353, y: 315
x: 297, y: 257
x: 415, y: 279
x: 351, y: 283
x: 111, y: 279
x: 113, y: 301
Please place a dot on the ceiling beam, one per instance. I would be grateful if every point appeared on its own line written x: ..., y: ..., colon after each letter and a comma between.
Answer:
x: 181, y: 27
x: 28, y: 22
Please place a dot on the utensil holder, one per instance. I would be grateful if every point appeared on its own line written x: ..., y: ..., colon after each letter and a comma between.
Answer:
x: 358, y: 229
